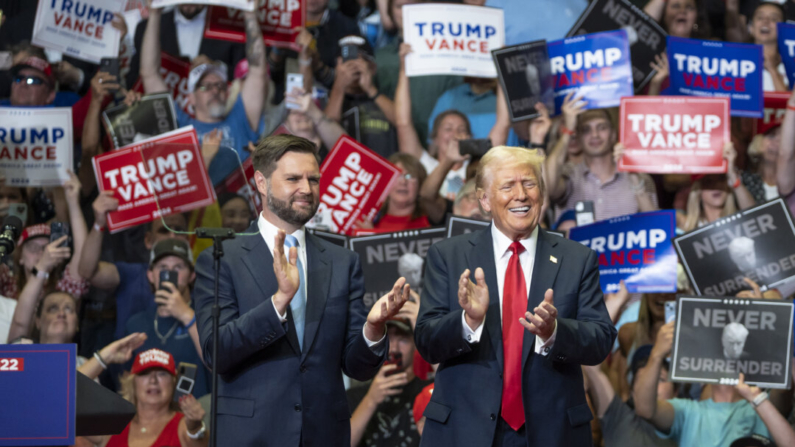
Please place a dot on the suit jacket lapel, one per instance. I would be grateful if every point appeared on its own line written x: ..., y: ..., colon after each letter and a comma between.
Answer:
x: 482, y: 255
x: 544, y: 272
x: 317, y: 289
x: 259, y: 262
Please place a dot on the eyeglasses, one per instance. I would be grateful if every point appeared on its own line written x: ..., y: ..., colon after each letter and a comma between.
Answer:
x: 220, y: 86
x: 29, y: 80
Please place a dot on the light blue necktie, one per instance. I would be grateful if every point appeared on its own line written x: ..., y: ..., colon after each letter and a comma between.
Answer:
x: 298, y: 303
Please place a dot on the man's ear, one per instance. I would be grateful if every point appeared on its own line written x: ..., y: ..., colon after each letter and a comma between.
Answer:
x: 261, y: 182
x: 483, y: 199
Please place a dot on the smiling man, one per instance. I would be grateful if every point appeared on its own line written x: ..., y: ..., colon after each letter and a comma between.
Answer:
x: 510, y: 345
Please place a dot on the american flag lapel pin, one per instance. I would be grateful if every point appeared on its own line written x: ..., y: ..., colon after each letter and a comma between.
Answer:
x: 553, y: 259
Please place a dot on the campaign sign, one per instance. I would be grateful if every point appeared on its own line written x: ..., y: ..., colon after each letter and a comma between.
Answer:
x: 246, y: 5
x: 449, y: 39
x: 175, y: 72
x: 525, y: 77
x: 354, y: 183
x: 663, y: 134
x: 716, y: 339
x: 597, y: 66
x: 388, y: 256
x: 38, y: 385
x: 151, y: 116
x: 35, y: 145
x: 80, y: 29
x: 457, y: 225
x: 786, y: 48
x: 278, y: 21
x: 758, y: 243
x: 241, y: 182
x: 155, y: 177
x: 336, y: 239
x: 718, y: 70
x: 646, y: 37
x: 636, y: 248
x: 775, y: 108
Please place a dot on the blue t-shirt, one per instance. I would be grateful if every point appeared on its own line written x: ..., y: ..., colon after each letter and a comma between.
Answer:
x: 237, y: 133
x: 481, y: 110
x: 707, y: 423
x: 133, y: 294
x: 178, y: 344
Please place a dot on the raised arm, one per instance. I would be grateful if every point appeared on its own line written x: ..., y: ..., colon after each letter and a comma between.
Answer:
x: 776, y: 424
x: 655, y: 9
x: 786, y: 154
x: 327, y: 129
x: 599, y: 388
x: 572, y: 107
x: 150, y: 53
x: 255, y: 88
x: 104, y: 275
x: 744, y: 198
x: 408, y: 140
x: 502, y: 125
x: 659, y: 412
x: 78, y: 223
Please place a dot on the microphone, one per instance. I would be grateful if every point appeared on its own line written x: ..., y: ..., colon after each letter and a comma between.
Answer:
x: 9, y: 234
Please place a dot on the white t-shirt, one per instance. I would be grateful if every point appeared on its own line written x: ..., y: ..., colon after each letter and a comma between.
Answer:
x: 767, y: 80
x: 454, y: 180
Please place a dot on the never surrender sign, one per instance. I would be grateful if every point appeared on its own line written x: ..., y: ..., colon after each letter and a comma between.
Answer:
x: 247, y: 5
x: 457, y: 225
x: 596, y: 66
x: 151, y: 116
x: 354, y: 183
x: 646, y: 37
x: 775, y: 108
x: 278, y: 20
x: 387, y: 257
x: 525, y: 77
x: 717, y: 339
x: 758, y: 243
x: 663, y: 134
x: 156, y: 177
x: 451, y: 39
x: 35, y: 146
x: 718, y: 70
x: 634, y: 248
x: 80, y: 29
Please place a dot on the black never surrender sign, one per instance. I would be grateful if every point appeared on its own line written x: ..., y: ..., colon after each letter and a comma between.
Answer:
x: 646, y: 37
x: 758, y: 243
x: 716, y: 339
x: 151, y: 116
x: 526, y: 78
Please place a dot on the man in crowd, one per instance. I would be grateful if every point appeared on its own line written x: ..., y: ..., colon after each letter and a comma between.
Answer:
x: 597, y: 179
x: 171, y: 325
x: 297, y: 323
x: 382, y: 415
x: 501, y: 366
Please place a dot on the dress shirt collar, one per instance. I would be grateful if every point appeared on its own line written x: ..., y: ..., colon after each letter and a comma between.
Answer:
x: 503, y: 242
x: 269, y: 230
x: 179, y: 19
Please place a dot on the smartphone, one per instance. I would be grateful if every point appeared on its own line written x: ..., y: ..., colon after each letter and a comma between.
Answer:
x: 395, y: 358
x: 171, y: 276
x: 349, y: 52
x: 583, y: 212
x: 294, y: 80
x: 186, y: 379
x: 58, y: 230
x: 6, y: 60
x: 19, y: 210
x: 670, y: 311
x: 474, y: 147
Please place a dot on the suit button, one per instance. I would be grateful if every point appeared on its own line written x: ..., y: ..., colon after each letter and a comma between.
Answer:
x: 500, y: 375
x: 298, y: 408
x: 493, y: 417
x: 302, y: 368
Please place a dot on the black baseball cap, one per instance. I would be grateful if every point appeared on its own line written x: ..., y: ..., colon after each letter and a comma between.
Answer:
x: 365, y: 50
x: 171, y: 247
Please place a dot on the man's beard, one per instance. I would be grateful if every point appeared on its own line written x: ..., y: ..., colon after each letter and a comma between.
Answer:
x: 283, y: 209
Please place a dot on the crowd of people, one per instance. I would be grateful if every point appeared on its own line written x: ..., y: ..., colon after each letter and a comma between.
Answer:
x: 128, y: 300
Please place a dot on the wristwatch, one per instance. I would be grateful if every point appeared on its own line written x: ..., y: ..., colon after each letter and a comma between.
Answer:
x: 761, y: 397
x: 39, y: 274
x: 199, y: 434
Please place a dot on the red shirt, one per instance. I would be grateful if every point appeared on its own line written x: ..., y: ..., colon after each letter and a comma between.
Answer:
x: 169, y: 437
x: 390, y: 223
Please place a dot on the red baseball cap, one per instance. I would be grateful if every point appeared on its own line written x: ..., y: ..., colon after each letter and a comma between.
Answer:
x: 154, y: 358
x: 37, y: 64
x: 421, y: 401
x: 38, y: 230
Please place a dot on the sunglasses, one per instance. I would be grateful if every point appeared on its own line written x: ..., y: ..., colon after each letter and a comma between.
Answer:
x: 220, y: 86
x: 29, y: 80
x: 408, y: 176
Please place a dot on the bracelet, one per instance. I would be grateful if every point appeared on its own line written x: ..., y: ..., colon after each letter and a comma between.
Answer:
x: 304, y: 62
x: 191, y: 322
x: 99, y: 359
x: 736, y: 183
x: 199, y: 434
x: 372, y: 98
x: 98, y: 228
x: 566, y: 130
x: 761, y: 397
x: 789, y: 107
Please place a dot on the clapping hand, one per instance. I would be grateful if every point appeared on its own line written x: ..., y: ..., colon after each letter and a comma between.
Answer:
x: 473, y: 298
x: 543, y: 320
x: 386, y: 308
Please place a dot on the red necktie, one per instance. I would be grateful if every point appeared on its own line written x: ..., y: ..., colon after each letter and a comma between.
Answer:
x: 514, y: 306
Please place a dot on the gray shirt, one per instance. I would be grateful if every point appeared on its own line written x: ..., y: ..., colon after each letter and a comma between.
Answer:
x: 622, y: 427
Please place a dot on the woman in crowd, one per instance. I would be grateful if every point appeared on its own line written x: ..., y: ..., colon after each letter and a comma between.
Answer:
x: 235, y: 212
x: 402, y: 209
x: 157, y: 423
x: 763, y: 152
x: 306, y: 120
x: 680, y: 18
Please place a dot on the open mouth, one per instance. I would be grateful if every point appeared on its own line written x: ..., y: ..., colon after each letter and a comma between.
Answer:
x: 520, y: 211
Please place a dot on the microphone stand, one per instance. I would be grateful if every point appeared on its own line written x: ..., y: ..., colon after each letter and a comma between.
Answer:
x: 218, y: 235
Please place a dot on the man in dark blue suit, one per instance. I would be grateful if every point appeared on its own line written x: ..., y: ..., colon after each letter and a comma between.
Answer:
x: 519, y: 381
x: 289, y: 323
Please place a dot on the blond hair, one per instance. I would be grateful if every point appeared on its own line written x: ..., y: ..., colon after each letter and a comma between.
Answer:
x: 127, y: 390
x: 510, y: 156
x: 695, y: 211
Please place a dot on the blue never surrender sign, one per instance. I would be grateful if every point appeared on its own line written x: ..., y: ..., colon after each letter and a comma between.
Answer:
x: 596, y: 66
x: 37, y: 385
x: 718, y: 70
x: 635, y: 248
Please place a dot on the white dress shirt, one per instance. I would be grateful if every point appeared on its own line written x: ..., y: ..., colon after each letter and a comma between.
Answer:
x: 268, y: 232
x: 502, y: 256
x: 189, y: 32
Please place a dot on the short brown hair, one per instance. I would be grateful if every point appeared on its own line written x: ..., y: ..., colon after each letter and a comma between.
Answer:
x: 272, y: 148
x: 593, y: 114
x: 412, y: 166
x: 437, y: 122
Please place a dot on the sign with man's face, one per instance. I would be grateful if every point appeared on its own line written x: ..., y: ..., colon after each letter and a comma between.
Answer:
x: 525, y: 77
x: 716, y: 339
x: 151, y: 116
x: 758, y: 243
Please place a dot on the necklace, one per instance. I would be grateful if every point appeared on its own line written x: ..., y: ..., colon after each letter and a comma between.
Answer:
x: 164, y: 338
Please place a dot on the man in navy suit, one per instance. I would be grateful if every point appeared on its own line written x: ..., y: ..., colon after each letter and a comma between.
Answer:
x: 510, y: 344
x: 290, y: 322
